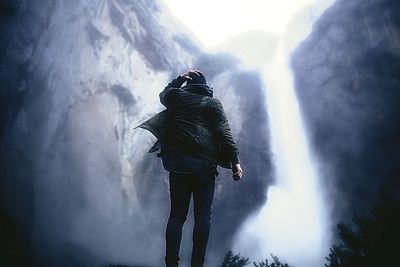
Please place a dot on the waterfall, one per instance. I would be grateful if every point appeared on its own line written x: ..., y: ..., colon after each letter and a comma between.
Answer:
x: 293, y: 223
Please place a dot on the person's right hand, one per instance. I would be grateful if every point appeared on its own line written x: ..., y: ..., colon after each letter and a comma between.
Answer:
x: 186, y: 75
x: 237, y: 172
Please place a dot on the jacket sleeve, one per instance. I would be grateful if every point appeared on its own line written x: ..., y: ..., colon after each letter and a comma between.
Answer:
x: 167, y: 95
x: 221, y: 126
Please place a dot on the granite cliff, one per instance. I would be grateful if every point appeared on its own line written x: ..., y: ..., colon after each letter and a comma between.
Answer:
x: 347, y: 80
x: 75, y: 78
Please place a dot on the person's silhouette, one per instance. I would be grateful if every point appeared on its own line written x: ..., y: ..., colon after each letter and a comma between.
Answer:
x: 194, y: 137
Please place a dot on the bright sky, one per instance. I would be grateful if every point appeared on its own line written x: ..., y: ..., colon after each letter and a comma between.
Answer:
x: 213, y: 21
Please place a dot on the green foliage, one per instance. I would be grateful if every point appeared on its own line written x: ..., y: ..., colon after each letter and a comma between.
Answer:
x: 276, y: 263
x: 231, y: 260
x: 372, y: 242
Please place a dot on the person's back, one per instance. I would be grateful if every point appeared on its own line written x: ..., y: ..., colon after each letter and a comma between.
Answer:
x: 189, y: 128
x: 197, y: 124
x: 195, y: 139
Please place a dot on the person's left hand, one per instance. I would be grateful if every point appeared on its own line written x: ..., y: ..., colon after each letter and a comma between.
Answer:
x: 237, y: 172
x: 186, y: 75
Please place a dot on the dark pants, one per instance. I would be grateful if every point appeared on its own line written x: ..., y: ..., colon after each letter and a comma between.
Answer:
x: 181, y: 187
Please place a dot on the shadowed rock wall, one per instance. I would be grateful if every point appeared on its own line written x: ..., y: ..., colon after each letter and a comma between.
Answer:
x: 347, y: 78
x: 75, y: 78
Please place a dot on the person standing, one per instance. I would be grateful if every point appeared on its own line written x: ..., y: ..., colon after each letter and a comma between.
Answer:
x: 194, y: 137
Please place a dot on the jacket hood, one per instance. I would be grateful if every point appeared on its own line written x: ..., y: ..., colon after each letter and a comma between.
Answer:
x: 200, y: 89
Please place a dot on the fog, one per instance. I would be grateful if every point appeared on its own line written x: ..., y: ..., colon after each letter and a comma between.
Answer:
x: 77, y: 187
x: 294, y: 222
x: 78, y: 183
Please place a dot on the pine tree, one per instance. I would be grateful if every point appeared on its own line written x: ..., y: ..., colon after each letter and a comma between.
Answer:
x: 374, y: 241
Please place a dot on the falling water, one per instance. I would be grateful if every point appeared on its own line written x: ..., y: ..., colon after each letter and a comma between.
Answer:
x: 292, y: 224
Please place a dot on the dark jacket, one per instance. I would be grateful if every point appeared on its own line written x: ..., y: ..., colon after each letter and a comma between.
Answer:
x: 193, y: 123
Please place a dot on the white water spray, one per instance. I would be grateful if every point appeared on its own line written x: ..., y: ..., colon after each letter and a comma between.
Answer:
x: 293, y: 224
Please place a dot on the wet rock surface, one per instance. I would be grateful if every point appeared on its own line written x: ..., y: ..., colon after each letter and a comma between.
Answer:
x: 346, y: 75
x: 75, y: 78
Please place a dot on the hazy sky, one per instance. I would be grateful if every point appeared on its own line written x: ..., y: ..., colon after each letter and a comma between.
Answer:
x: 214, y: 21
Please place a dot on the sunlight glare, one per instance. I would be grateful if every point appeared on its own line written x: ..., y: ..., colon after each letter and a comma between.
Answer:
x: 215, y: 21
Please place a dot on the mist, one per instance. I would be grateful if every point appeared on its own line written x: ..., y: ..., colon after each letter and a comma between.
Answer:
x: 346, y: 83
x: 77, y: 186
x: 294, y: 222
x: 296, y: 202
x: 77, y: 181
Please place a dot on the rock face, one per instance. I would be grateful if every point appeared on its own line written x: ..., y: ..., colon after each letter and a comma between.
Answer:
x: 347, y: 78
x: 75, y: 78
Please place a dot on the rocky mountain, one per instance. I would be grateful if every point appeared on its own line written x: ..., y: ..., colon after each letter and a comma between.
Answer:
x: 76, y: 182
x: 347, y: 79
